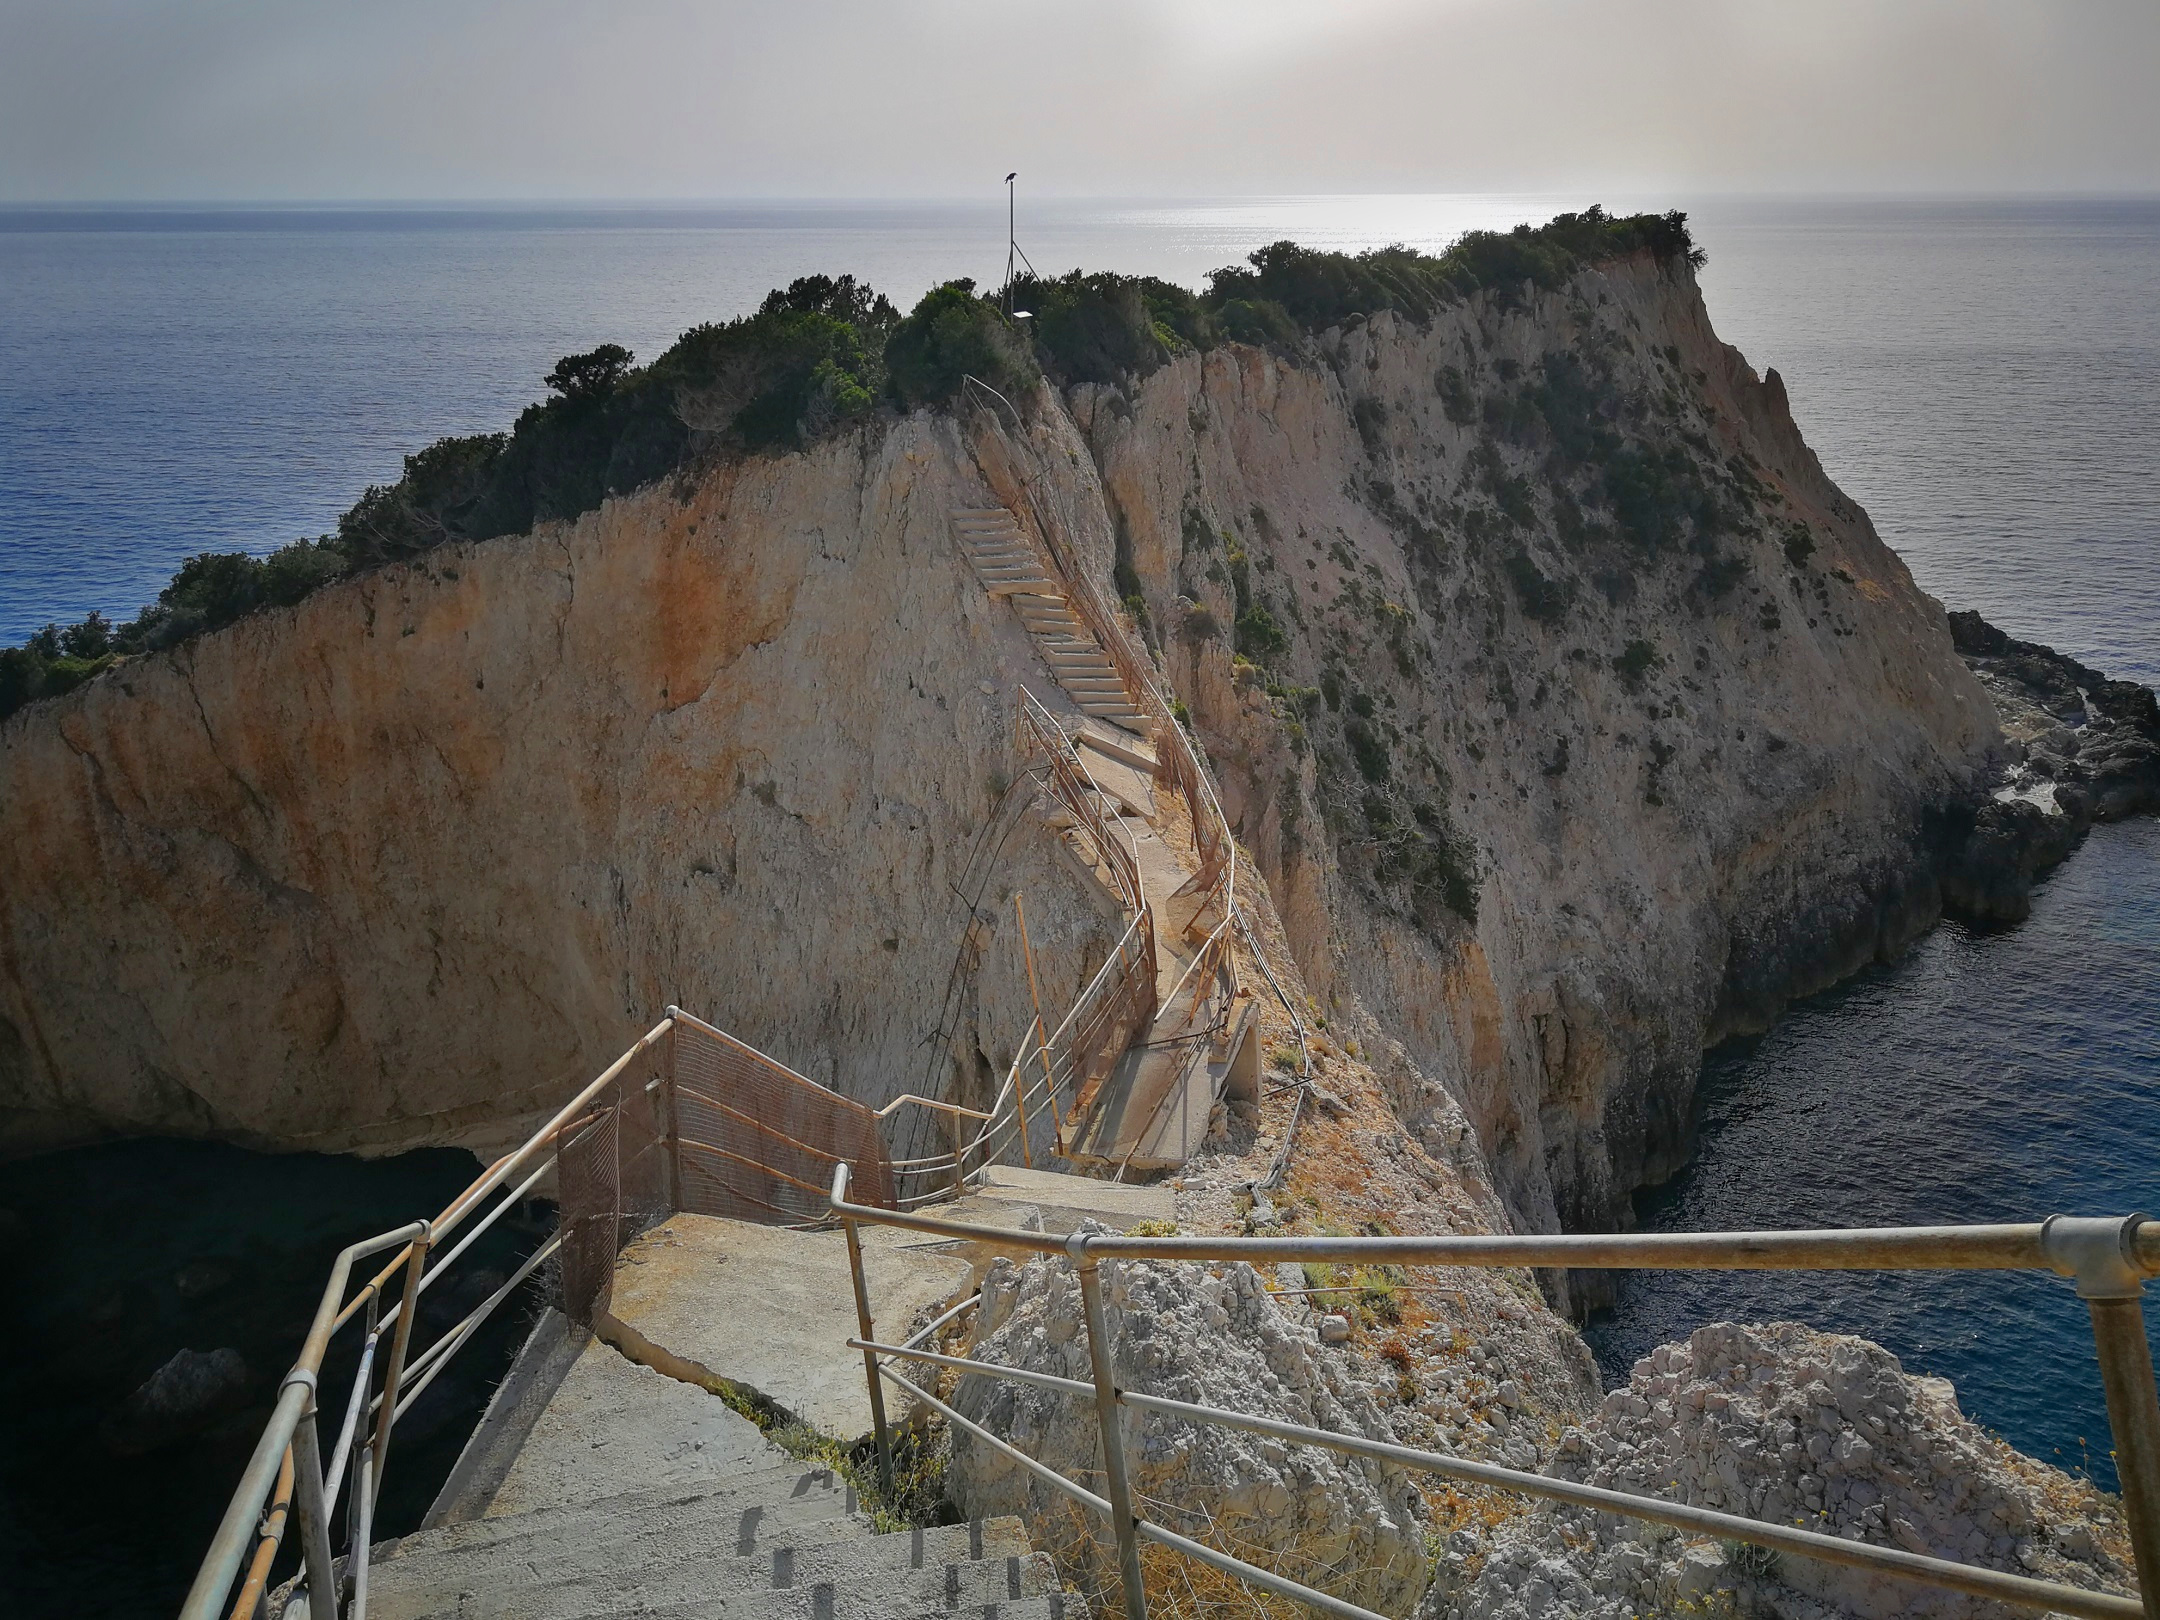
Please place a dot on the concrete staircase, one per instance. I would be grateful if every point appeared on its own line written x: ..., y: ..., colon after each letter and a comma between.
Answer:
x: 622, y: 1491
x: 1152, y: 1112
x: 1007, y: 563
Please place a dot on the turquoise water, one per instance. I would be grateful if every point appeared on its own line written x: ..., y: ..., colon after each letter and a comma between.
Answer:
x: 1978, y: 374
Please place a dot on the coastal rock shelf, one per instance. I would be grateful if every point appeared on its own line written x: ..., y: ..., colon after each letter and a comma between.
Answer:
x: 2079, y: 748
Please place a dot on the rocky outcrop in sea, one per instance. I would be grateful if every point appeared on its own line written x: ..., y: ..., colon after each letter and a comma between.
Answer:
x: 2078, y: 748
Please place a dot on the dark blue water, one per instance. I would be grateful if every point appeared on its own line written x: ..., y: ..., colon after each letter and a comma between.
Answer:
x: 1997, y: 1076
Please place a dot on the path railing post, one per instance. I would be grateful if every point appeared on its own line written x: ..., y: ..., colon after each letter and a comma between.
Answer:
x: 864, y: 1325
x: 308, y: 1499
x: 415, y: 1263
x: 1109, y: 1420
x: 2100, y: 1253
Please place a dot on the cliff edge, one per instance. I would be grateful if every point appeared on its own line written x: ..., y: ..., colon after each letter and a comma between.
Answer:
x: 1573, y: 717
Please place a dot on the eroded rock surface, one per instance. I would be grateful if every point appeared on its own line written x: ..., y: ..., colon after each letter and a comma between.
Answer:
x: 1576, y: 719
x: 411, y: 861
x: 1189, y: 1334
x: 1787, y: 1424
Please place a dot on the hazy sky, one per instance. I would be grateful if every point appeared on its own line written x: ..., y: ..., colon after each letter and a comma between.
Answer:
x: 111, y: 99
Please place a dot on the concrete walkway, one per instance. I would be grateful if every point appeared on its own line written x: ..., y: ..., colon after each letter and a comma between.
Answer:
x: 770, y: 1310
x: 632, y: 1493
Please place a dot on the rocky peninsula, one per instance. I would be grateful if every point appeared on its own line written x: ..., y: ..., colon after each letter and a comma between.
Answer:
x: 1570, y: 717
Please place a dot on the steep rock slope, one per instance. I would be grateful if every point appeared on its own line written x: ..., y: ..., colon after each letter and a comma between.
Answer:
x: 1576, y: 719
x: 1579, y: 722
x: 406, y: 862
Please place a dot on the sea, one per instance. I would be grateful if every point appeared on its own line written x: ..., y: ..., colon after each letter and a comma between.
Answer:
x: 1978, y: 372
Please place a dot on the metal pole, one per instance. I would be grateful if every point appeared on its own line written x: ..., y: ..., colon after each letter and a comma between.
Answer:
x: 2106, y: 1256
x: 363, y: 1535
x: 415, y: 1263
x: 360, y: 1498
x: 869, y: 1357
x: 257, y: 1583
x: 1109, y: 1421
x: 1042, y: 1042
x: 314, y: 1521
x: 2126, y: 1372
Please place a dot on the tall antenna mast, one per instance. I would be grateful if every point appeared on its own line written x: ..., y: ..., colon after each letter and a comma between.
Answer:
x: 1012, y: 238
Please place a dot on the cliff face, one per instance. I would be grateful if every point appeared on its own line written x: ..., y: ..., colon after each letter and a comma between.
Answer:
x: 1670, y: 705
x: 408, y: 862
x: 1584, y: 723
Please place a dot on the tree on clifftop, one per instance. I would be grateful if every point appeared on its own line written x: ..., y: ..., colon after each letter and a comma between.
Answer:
x: 590, y: 376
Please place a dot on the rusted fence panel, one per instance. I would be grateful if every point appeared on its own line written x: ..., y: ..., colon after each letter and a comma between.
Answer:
x: 719, y: 1129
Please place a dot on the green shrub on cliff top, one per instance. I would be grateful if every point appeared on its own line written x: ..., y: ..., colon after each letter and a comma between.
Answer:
x: 948, y: 337
x: 1104, y: 328
x: 823, y: 351
x: 1318, y: 290
x: 808, y: 360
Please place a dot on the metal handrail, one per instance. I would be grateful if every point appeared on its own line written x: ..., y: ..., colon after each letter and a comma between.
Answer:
x: 1129, y: 969
x: 292, y: 1423
x: 285, y: 1473
x: 2108, y: 1258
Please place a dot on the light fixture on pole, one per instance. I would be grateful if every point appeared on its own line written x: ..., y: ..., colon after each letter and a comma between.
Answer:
x: 1014, y: 256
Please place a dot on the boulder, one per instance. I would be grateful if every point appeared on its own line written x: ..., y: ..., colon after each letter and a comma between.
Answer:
x: 191, y: 1391
x: 1789, y: 1425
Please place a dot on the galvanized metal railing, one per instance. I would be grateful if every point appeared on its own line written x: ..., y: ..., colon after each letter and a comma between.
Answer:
x: 720, y: 1128
x: 2107, y: 1258
x: 1053, y: 1070
x: 286, y: 1475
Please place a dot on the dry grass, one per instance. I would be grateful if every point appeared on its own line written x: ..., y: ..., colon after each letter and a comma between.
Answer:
x: 1180, y: 1587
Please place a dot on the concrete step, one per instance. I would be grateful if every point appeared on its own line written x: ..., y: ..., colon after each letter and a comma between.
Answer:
x: 1120, y: 744
x: 1007, y: 1195
x: 748, y: 1545
x: 612, y: 1426
x: 771, y: 1310
x: 748, y: 1512
x: 956, y: 1567
x: 1133, y: 791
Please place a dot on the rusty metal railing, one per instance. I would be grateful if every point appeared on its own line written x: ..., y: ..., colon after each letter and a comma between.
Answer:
x: 1053, y: 1070
x: 2107, y: 1258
